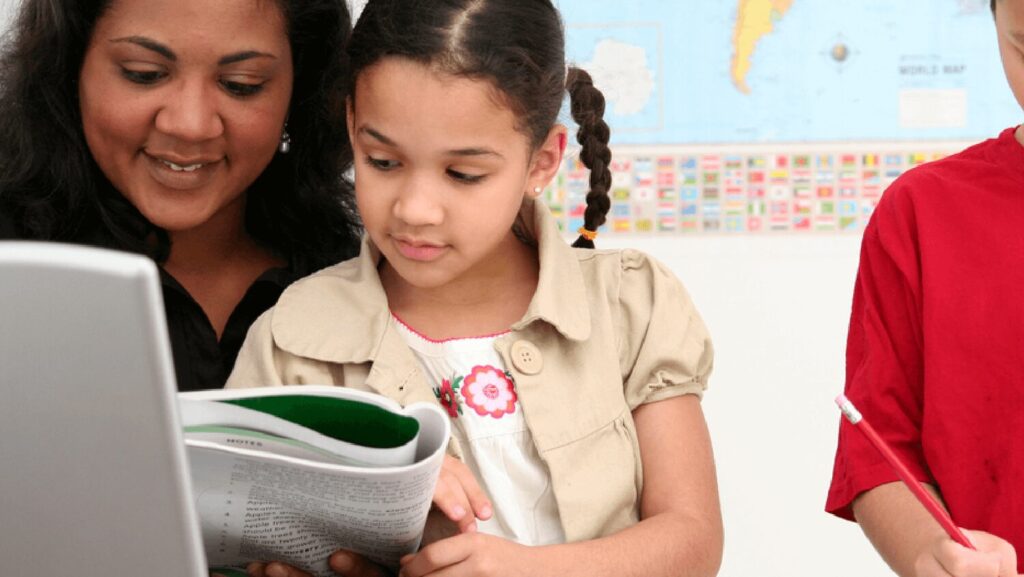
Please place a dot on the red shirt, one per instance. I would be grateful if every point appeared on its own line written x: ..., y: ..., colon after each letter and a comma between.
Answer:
x: 935, y: 351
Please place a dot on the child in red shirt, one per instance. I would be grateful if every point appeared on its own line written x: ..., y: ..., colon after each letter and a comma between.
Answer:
x: 933, y: 354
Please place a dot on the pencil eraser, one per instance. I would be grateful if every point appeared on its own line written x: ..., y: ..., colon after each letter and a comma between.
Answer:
x: 849, y: 411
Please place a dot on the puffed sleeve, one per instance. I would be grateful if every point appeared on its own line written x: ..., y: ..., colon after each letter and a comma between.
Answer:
x: 665, y: 349
x: 255, y: 366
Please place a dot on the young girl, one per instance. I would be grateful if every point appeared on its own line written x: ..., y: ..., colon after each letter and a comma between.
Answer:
x: 572, y: 376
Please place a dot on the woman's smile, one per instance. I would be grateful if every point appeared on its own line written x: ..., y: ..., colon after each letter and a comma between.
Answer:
x: 182, y: 174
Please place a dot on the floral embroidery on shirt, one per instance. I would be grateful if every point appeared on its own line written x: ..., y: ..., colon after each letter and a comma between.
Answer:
x: 446, y: 395
x: 489, y: 391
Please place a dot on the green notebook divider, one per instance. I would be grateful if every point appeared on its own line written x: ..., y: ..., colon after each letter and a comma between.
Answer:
x: 346, y: 420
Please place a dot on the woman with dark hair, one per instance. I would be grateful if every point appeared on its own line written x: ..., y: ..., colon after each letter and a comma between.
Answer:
x: 207, y: 135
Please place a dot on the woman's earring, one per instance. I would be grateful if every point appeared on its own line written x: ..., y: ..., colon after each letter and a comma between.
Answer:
x: 286, y: 141
x: 537, y: 190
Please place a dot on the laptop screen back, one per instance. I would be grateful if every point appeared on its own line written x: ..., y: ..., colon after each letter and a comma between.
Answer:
x: 93, y: 478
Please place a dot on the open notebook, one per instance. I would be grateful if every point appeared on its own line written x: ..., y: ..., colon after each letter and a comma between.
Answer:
x: 93, y: 477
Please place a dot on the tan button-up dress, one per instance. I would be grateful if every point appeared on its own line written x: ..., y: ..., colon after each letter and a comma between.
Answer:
x: 606, y: 331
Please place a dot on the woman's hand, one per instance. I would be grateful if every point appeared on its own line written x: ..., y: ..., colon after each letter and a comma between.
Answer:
x: 274, y: 569
x: 944, y: 557
x: 344, y: 563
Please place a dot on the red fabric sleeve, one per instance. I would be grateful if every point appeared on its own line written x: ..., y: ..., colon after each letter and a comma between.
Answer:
x: 883, y: 353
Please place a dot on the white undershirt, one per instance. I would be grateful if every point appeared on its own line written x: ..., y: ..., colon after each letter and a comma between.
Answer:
x: 487, y: 420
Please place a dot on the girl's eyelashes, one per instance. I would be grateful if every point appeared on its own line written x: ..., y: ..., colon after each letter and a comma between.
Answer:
x: 386, y: 165
x: 464, y: 178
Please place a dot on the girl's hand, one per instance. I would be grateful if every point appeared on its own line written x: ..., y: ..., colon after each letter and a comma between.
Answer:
x: 459, y: 496
x: 472, y: 555
x: 944, y: 558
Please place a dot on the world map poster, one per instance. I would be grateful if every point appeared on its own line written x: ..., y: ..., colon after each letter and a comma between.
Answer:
x: 742, y: 116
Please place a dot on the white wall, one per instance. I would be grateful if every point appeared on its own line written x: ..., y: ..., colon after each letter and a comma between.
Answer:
x: 777, y: 308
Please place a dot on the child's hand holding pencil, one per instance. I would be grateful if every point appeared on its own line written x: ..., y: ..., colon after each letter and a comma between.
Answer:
x: 990, y: 557
x: 955, y: 552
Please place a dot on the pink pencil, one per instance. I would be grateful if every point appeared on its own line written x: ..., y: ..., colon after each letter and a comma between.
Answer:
x: 938, y: 513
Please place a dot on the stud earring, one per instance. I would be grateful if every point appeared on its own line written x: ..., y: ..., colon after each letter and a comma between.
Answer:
x: 286, y: 141
x: 537, y: 190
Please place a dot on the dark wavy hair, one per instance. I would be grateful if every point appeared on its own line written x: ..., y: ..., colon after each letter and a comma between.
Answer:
x: 518, y: 46
x: 301, y: 206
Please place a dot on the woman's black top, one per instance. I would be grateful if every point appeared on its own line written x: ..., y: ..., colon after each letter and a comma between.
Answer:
x: 200, y: 360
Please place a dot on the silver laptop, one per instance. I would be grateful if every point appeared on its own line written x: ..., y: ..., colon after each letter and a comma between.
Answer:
x: 93, y: 477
